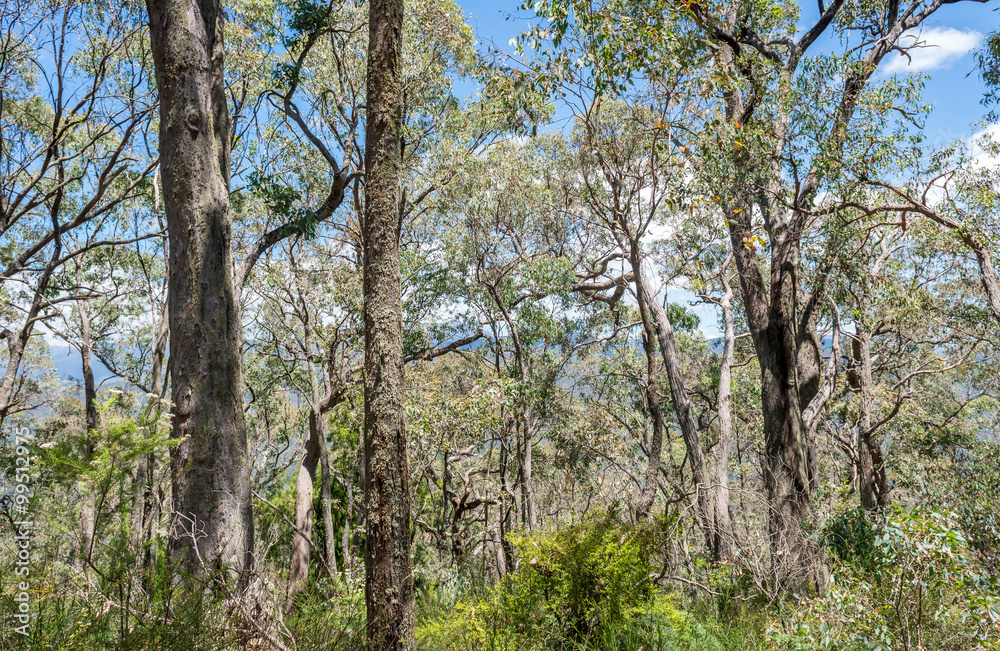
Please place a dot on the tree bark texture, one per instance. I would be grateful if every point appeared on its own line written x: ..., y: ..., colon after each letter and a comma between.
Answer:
x: 212, y: 525
x: 388, y: 579
x: 723, y: 522
x: 298, y: 573
x: 787, y: 465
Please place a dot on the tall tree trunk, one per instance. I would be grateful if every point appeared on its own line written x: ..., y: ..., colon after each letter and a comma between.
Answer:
x: 326, y: 501
x: 864, y: 462
x: 298, y: 573
x: 145, y: 509
x: 212, y: 525
x: 787, y: 467
x: 648, y: 494
x: 723, y: 523
x: 318, y: 417
x: 507, y: 560
x: 87, y: 515
x: 873, y: 484
x: 523, y: 427
x: 388, y: 580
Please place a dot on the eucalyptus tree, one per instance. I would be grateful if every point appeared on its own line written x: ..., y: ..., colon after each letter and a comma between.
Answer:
x: 305, y: 321
x: 911, y: 303
x: 388, y: 578
x: 956, y: 188
x: 212, y: 526
x: 75, y: 110
x: 773, y: 140
x: 630, y: 188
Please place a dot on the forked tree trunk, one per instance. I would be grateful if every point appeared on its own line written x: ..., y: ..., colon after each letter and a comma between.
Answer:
x: 388, y: 580
x: 212, y: 525
x: 787, y: 460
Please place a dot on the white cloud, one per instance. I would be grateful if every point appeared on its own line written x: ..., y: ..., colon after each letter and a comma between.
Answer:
x: 984, y: 148
x: 933, y: 48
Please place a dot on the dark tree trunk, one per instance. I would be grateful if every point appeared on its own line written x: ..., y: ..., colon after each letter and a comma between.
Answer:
x: 506, y: 559
x: 388, y: 580
x: 788, y: 458
x: 212, y: 525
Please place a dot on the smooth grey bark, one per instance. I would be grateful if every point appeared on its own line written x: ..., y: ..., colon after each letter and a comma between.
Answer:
x: 723, y: 522
x: 211, y: 526
x: 388, y: 579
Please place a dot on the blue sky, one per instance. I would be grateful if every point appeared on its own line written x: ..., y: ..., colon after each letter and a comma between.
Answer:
x: 953, y: 88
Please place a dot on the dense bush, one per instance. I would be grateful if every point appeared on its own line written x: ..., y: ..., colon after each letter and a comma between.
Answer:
x: 920, y: 588
x: 585, y: 586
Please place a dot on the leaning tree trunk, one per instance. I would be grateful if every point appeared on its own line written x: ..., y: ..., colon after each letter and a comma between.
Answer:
x: 652, y: 311
x: 388, y: 580
x: 212, y: 526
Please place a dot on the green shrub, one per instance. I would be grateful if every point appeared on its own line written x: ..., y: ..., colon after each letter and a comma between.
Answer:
x: 585, y: 586
x: 591, y: 576
x: 927, y: 593
x: 851, y: 537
